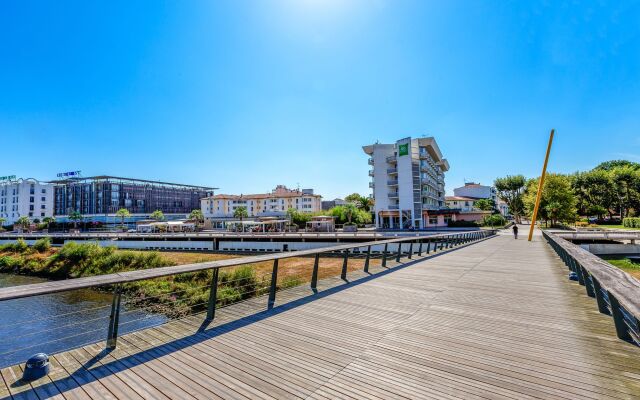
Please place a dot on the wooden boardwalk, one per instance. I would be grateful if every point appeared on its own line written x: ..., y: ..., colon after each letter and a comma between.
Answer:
x: 495, y: 319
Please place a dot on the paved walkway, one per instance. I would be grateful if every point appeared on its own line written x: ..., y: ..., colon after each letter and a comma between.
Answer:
x: 496, y: 319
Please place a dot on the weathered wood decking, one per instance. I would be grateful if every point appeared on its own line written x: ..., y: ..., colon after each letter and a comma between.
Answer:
x: 496, y: 319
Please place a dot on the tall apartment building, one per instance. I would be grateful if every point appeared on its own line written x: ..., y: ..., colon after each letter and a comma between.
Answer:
x: 25, y: 197
x: 221, y: 207
x: 98, y: 198
x: 408, y: 183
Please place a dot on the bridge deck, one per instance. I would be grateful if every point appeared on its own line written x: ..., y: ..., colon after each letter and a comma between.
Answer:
x: 497, y: 319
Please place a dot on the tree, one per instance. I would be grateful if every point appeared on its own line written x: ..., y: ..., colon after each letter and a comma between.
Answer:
x: 241, y: 213
x: 511, y: 190
x: 594, y: 192
x: 75, y: 216
x: 626, y: 186
x: 485, y: 204
x: 23, y: 222
x: 298, y: 218
x: 157, y: 215
x: 2, y: 221
x: 558, y: 202
x: 349, y: 213
x: 352, y: 198
x: 610, y: 165
x: 196, y: 216
x: 123, y: 213
x: 48, y: 221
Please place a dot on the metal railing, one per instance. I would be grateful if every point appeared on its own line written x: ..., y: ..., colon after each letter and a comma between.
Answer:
x: 617, y: 293
x: 392, y: 182
x: 407, y: 246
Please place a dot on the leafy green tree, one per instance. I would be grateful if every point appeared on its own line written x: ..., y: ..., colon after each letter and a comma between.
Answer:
x: 610, y: 165
x: 241, y: 213
x: 350, y: 214
x: 626, y: 185
x: 75, y: 216
x: 24, y: 222
x: 157, y: 215
x: 298, y: 218
x: 352, y: 198
x: 485, y: 204
x: 511, y: 190
x: 2, y: 221
x: 123, y: 213
x: 196, y: 216
x: 594, y: 192
x: 558, y: 202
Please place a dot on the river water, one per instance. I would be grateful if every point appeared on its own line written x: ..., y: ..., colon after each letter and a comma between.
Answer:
x: 57, y: 322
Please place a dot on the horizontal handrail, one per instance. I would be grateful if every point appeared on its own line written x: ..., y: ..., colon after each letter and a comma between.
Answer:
x: 617, y: 293
x: 444, y: 241
x: 37, y: 289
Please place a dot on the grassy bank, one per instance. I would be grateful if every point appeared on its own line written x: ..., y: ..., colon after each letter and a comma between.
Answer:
x: 617, y: 227
x: 626, y: 265
x: 174, y: 295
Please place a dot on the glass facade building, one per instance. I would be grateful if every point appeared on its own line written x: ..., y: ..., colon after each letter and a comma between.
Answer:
x: 104, y: 195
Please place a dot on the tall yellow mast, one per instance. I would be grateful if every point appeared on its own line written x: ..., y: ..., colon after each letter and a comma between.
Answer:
x: 540, y: 186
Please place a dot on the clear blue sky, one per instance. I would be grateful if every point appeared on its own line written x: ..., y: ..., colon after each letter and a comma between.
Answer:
x: 245, y: 95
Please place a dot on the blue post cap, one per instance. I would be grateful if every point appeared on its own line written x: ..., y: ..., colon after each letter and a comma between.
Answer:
x: 573, y: 276
x: 36, y: 367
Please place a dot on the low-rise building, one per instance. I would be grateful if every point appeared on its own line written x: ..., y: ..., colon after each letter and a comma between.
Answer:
x: 25, y: 197
x: 465, y: 198
x: 466, y: 208
x: 329, y: 204
x: 220, y: 208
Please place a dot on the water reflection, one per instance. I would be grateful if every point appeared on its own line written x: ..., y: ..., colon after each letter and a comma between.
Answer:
x: 56, y: 322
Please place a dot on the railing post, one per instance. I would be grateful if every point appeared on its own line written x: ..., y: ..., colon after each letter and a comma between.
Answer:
x: 428, y: 246
x: 345, y: 263
x: 384, y: 255
x: 274, y: 281
x: 618, y: 319
x: 578, y: 269
x: 399, y: 252
x: 420, y: 248
x: 213, y: 294
x: 366, y: 261
x: 602, y: 304
x: 314, y: 275
x: 114, y: 318
x: 410, y: 249
x: 588, y: 281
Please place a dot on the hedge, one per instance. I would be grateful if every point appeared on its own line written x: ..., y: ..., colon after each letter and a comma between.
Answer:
x: 631, y: 222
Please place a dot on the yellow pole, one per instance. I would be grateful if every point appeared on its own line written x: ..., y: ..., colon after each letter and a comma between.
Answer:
x: 540, y: 186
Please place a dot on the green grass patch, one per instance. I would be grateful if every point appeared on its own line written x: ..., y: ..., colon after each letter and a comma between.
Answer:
x: 619, y: 226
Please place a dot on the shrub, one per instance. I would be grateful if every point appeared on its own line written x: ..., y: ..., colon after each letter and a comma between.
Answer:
x: 631, y: 222
x: 9, y: 264
x: 19, y: 246
x: 494, y: 220
x: 42, y: 245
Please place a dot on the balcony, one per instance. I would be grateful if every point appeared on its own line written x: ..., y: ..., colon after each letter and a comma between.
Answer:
x: 391, y: 159
x: 392, y: 182
x: 393, y: 195
x: 371, y: 185
x: 370, y: 172
x: 370, y: 161
x: 392, y: 170
x: 394, y: 207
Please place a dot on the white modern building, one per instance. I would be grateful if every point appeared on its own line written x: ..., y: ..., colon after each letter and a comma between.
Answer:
x: 474, y: 191
x: 220, y: 208
x: 25, y: 197
x: 408, y: 184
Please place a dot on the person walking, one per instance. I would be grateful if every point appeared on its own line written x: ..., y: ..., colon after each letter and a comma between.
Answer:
x: 515, y: 231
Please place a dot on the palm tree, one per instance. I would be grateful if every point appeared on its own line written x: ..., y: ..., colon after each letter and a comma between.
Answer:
x: 23, y: 222
x: 240, y: 213
x: 123, y: 213
x: 75, y: 216
x: 364, y: 203
x: 196, y: 216
x: 349, y: 210
x: 157, y: 215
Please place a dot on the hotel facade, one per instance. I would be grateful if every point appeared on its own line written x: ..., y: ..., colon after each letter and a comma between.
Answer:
x: 408, y: 184
x: 220, y: 208
x: 25, y: 198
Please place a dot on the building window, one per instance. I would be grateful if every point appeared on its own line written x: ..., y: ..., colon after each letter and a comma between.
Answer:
x: 433, y: 220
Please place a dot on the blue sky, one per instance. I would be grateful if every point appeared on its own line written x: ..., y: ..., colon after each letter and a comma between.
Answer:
x: 244, y: 95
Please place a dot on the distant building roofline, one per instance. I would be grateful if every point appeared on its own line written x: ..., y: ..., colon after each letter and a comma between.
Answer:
x: 108, y: 177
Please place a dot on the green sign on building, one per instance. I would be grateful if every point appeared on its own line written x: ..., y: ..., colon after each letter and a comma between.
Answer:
x: 403, y: 149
